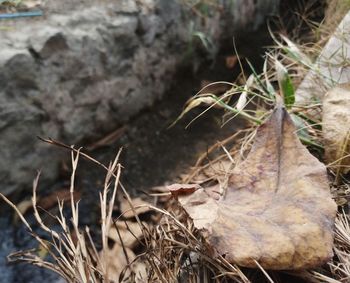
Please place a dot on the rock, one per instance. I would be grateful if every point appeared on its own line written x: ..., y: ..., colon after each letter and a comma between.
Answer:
x: 86, y: 67
x: 331, y: 67
x: 336, y: 128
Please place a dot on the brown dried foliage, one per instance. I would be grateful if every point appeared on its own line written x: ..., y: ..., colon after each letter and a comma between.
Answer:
x: 277, y: 210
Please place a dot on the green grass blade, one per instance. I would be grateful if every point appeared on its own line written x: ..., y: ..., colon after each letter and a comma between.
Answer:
x: 285, y: 84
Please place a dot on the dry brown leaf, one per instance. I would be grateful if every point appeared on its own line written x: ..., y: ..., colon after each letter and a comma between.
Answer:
x: 139, y: 207
x: 183, y: 189
x: 130, y: 233
x: 336, y: 127
x: 46, y: 202
x: 23, y: 207
x: 160, y: 194
x: 140, y: 270
x: 50, y: 200
x: 116, y: 260
x: 231, y: 61
x: 277, y: 209
x: 121, y: 254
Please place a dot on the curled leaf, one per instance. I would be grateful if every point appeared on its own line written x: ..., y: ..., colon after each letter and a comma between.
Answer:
x: 176, y: 189
x: 277, y: 209
x: 137, y: 207
x: 126, y: 233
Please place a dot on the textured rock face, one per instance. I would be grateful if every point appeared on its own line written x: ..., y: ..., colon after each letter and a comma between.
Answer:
x: 331, y: 67
x: 85, y: 68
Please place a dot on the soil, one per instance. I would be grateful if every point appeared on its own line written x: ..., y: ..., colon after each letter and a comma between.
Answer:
x: 154, y: 154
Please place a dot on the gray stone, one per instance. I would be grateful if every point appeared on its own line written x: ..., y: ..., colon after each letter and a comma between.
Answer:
x: 87, y: 66
x: 331, y: 67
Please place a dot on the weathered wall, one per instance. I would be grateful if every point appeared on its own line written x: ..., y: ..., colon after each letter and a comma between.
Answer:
x: 88, y: 66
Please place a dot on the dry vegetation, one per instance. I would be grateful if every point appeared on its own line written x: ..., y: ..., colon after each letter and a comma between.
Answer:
x: 168, y: 248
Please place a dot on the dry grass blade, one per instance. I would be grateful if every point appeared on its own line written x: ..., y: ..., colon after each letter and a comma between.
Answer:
x: 73, y: 251
x: 176, y: 253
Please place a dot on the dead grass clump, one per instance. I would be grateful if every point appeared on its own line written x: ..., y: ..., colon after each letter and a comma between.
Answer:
x: 72, y: 250
x: 178, y: 253
x: 169, y: 251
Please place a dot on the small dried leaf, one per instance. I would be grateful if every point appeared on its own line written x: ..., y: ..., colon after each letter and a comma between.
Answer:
x: 161, y: 194
x: 130, y: 233
x: 115, y: 261
x: 277, y: 209
x: 139, y: 206
x: 231, y: 61
x: 46, y: 202
x: 50, y: 200
x: 23, y: 207
x: 176, y: 189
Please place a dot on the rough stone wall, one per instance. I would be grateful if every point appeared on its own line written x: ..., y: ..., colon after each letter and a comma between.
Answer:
x: 88, y: 66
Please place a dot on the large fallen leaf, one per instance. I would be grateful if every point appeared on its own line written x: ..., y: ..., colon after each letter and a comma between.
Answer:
x: 336, y: 127
x: 277, y: 209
